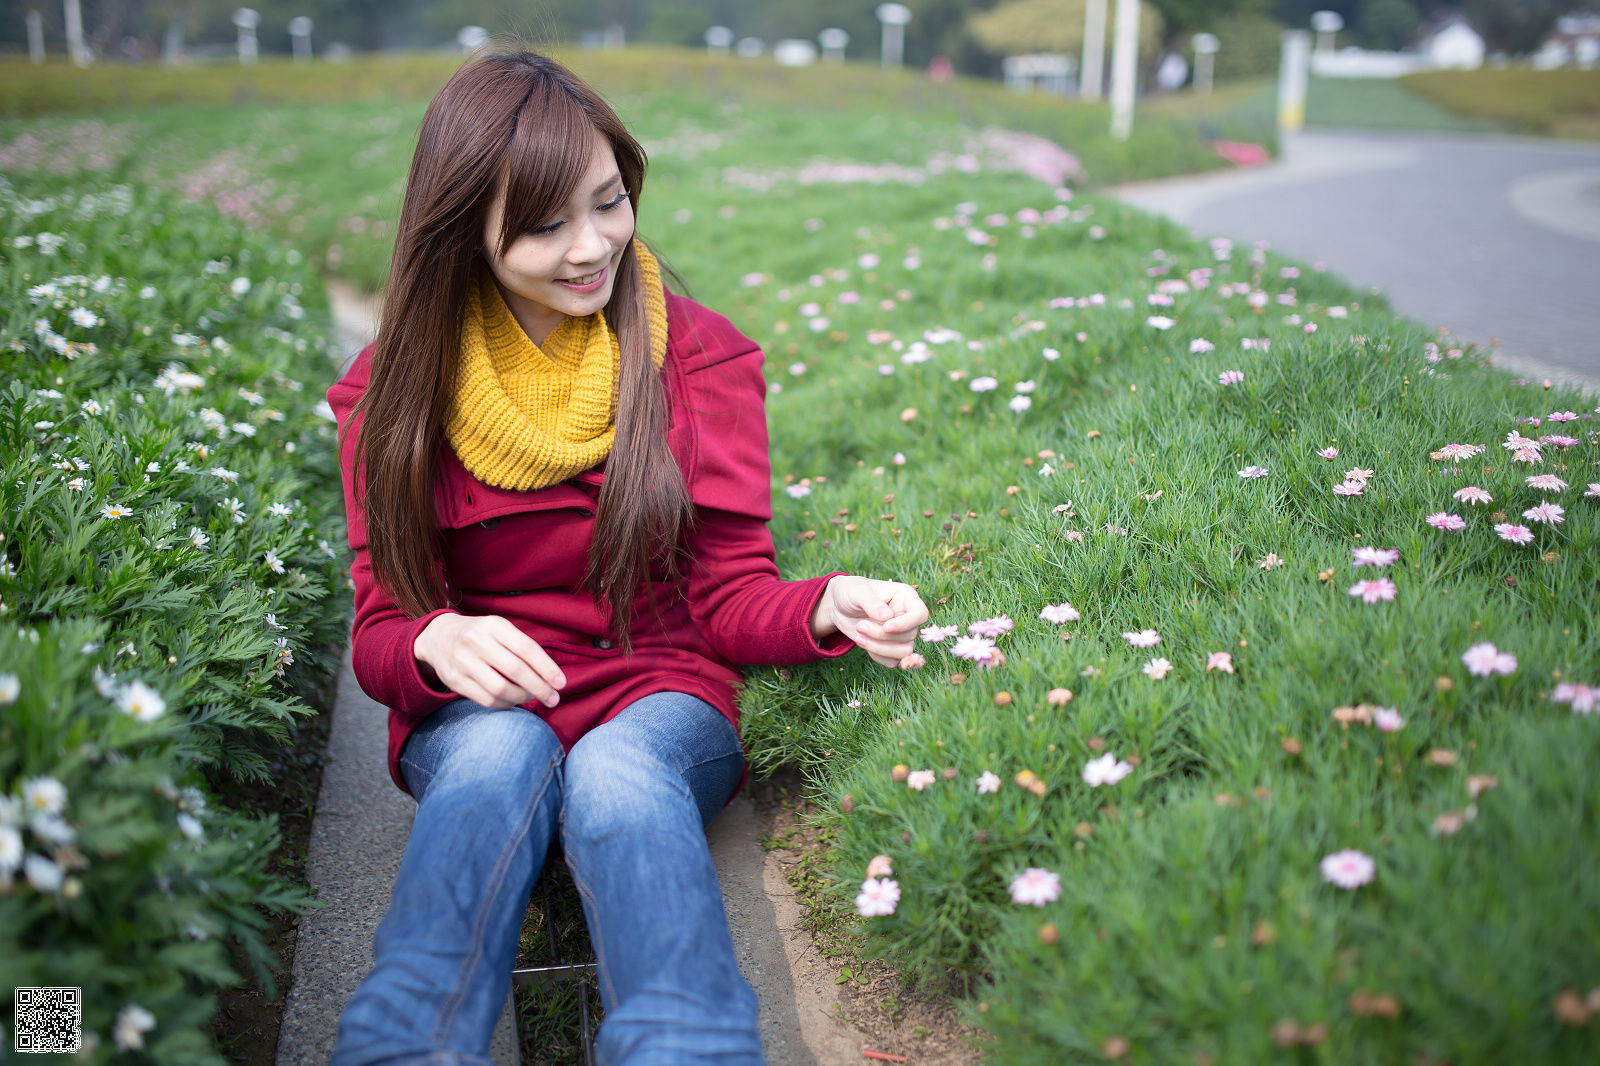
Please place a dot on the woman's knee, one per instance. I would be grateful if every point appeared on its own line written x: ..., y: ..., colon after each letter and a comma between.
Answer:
x: 511, y: 751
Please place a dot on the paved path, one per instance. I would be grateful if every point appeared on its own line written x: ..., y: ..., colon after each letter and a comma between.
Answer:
x: 1493, y: 237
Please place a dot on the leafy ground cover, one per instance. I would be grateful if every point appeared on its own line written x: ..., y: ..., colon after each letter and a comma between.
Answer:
x: 1558, y: 103
x: 329, y: 180
x: 1217, y: 513
x: 171, y: 591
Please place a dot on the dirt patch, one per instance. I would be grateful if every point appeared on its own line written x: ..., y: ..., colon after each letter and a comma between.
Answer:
x: 827, y: 966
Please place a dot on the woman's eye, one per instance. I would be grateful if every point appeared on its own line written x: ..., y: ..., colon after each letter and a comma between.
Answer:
x: 615, y: 202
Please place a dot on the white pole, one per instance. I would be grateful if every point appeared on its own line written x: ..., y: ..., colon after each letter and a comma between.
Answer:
x: 894, y: 18
x: 1205, y: 56
x: 300, y: 34
x: 75, y: 46
x: 1124, y: 68
x: 1293, y: 70
x: 35, y: 37
x: 172, y: 44
x: 1094, y: 50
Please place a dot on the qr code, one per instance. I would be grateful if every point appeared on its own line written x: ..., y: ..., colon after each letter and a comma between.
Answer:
x: 48, y: 1020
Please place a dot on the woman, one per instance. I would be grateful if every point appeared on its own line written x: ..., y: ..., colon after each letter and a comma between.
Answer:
x: 557, y: 485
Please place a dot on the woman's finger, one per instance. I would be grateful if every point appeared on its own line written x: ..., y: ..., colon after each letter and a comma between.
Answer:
x: 526, y: 649
x: 517, y: 673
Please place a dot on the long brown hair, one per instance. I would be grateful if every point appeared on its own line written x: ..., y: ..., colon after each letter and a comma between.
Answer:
x: 523, y: 122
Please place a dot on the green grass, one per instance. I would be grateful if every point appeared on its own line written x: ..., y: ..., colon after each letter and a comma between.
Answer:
x: 1388, y: 104
x: 1192, y: 920
x: 1558, y: 103
x: 330, y: 179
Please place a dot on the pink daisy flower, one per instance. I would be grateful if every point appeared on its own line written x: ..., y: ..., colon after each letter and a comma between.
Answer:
x: 1559, y: 440
x: 1562, y: 416
x: 1584, y: 699
x: 1356, y: 473
x: 1035, y: 887
x: 977, y: 649
x: 1106, y: 770
x: 1199, y: 346
x: 1348, y: 869
x: 1516, y: 442
x: 1473, y: 494
x: 1515, y: 534
x: 1156, y: 669
x: 1367, y: 556
x: 1545, y: 483
x: 1329, y: 454
x: 1551, y: 514
x: 934, y: 634
x: 1220, y: 660
x: 1446, y: 521
x: 1350, y: 488
x: 1387, y: 719
x: 1059, y: 613
x: 1253, y: 472
x: 991, y: 627
x: 1373, y: 591
x: 988, y: 782
x: 1230, y: 377
x: 920, y: 779
x: 878, y: 898
x: 1485, y: 660
x: 1143, y: 638
x: 1458, y: 452
x: 1594, y: 491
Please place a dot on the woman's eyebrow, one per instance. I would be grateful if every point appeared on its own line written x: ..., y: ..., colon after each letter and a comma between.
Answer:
x: 615, y: 179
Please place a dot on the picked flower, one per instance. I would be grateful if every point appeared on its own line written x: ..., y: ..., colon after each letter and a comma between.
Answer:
x: 1059, y: 613
x: 1143, y: 638
x: 913, y: 661
x: 1348, y: 869
x: 1220, y: 660
x: 1156, y: 669
x: 1035, y: 887
x: 1106, y: 770
x: 878, y: 897
x: 1485, y: 660
x: 1373, y: 591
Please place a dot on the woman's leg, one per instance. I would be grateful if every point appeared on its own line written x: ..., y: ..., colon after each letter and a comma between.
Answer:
x: 639, y: 792
x: 489, y: 788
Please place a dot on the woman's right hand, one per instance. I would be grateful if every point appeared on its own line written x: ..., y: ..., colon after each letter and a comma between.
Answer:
x: 488, y: 660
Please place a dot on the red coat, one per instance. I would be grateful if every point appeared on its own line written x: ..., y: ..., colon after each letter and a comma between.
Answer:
x: 523, y: 554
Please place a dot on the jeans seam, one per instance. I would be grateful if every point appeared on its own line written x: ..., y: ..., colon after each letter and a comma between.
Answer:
x: 497, y: 878
x: 608, y: 990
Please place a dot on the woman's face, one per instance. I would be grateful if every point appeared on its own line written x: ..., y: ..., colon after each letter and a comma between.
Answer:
x: 567, y: 264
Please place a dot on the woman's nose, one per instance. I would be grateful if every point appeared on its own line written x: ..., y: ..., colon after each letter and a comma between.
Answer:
x: 589, y: 245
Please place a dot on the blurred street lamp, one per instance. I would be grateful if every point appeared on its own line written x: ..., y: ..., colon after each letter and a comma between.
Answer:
x: 1205, y: 54
x: 795, y: 52
x: 833, y: 43
x: 35, y: 37
x: 300, y: 33
x: 1094, y: 50
x: 472, y: 38
x: 1124, y: 68
x: 247, y: 20
x: 718, y: 40
x: 894, y: 18
x: 1326, y: 23
x: 75, y: 46
x: 749, y: 47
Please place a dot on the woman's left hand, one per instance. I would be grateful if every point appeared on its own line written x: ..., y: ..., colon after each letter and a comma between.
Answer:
x: 880, y: 616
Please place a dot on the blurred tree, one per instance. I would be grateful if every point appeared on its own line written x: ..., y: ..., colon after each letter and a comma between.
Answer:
x: 1514, y: 27
x: 1387, y: 25
x: 1019, y: 26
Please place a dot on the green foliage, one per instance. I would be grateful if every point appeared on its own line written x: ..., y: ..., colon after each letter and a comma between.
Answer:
x: 1193, y: 917
x: 1562, y: 103
x: 170, y: 591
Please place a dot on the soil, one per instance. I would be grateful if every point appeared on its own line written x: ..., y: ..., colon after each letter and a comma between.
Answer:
x: 245, y: 1026
x: 922, y: 1025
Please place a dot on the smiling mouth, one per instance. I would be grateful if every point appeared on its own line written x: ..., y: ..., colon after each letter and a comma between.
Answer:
x: 586, y: 280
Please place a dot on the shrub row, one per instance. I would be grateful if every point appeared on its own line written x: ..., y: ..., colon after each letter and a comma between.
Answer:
x: 170, y: 594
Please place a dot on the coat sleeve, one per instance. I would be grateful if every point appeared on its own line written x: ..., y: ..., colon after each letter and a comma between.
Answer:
x: 382, y: 634
x: 743, y: 608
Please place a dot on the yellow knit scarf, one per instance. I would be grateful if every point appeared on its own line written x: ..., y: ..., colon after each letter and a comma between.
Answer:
x: 524, y: 416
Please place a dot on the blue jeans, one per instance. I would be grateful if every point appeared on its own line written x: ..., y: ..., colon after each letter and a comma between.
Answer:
x: 630, y: 803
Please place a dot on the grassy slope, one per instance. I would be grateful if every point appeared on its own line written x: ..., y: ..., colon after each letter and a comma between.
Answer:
x: 1560, y: 103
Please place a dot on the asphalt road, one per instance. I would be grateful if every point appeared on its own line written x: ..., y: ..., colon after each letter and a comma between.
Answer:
x: 1496, y: 238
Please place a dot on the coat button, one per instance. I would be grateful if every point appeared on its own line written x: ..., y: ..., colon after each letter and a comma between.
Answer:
x: 603, y: 644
